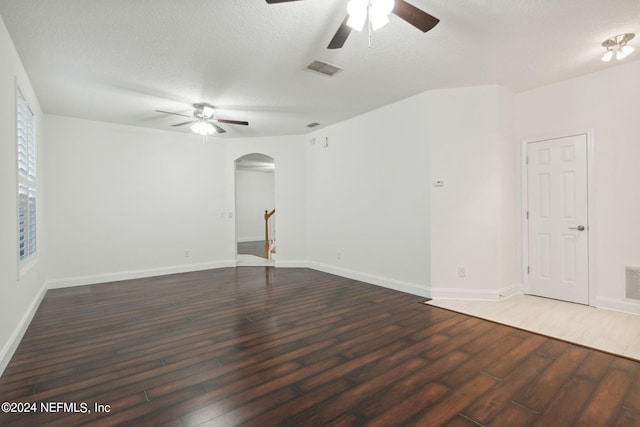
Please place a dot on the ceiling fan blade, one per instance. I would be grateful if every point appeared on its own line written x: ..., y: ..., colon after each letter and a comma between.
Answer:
x: 184, y: 123
x: 414, y: 16
x: 175, y: 114
x: 340, y: 36
x: 233, y: 122
x: 218, y: 128
x: 279, y: 1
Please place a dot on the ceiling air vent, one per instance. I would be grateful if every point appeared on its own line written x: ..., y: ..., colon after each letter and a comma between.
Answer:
x: 632, y: 282
x: 324, y: 68
x: 312, y: 125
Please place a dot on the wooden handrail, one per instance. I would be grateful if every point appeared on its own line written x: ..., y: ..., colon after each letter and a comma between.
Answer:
x: 267, y: 215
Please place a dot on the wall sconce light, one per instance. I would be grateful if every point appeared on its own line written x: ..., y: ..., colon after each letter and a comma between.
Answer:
x: 617, y: 46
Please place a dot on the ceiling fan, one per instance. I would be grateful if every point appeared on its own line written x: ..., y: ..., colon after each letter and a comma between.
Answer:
x: 375, y: 13
x: 203, y: 121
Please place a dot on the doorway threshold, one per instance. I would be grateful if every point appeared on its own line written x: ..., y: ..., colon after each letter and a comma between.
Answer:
x: 245, y: 260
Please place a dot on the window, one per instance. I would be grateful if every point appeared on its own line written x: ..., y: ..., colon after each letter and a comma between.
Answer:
x: 26, y: 153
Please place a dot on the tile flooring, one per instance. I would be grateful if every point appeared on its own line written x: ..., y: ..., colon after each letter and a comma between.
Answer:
x: 606, y: 330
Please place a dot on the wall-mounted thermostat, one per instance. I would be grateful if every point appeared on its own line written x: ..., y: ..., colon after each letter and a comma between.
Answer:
x: 438, y: 183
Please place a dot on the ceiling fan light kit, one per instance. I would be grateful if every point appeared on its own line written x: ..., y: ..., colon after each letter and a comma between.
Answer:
x: 203, y: 121
x: 617, y: 46
x: 377, y: 11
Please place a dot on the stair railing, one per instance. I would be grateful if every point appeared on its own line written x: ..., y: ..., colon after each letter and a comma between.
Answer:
x: 267, y: 244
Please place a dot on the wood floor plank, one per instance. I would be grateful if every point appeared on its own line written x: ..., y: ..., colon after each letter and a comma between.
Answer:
x: 514, y: 416
x: 297, y: 347
x: 448, y: 408
x: 595, y: 365
x: 509, y: 361
x: 404, y: 410
x: 567, y: 404
x: 539, y: 392
x: 490, y: 404
x: 606, y: 402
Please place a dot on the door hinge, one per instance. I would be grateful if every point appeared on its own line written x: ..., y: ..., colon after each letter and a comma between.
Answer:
x: 526, y: 160
x: 528, y: 270
x: 527, y: 214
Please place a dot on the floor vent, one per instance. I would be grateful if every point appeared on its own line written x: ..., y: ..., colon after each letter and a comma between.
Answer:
x: 324, y: 68
x: 632, y: 282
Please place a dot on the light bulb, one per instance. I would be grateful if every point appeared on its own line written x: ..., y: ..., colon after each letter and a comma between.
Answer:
x: 620, y: 55
x: 627, y: 50
x: 607, y: 56
x: 203, y: 128
x: 357, y: 10
x: 378, y: 19
x: 384, y: 7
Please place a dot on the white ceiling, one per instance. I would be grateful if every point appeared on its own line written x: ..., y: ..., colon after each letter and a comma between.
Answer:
x: 119, y: 60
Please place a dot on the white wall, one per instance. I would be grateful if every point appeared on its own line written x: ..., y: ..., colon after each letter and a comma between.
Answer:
x: 374, y: 215
x: 607, y: 103
x: 18, y: 298
x: 474, y: 216
x: 368, y: 197
x: 130, y: 202
x: 254, y: 195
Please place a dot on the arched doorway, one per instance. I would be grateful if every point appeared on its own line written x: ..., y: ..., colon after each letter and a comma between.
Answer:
x: 255, y: 195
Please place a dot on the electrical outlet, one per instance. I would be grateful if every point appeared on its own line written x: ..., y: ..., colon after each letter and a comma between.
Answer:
x: 187, y: 254
x: 461, y: 272
x: 339, y: 255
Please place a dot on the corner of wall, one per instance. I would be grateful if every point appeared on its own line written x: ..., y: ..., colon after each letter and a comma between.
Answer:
x: 7, y: 351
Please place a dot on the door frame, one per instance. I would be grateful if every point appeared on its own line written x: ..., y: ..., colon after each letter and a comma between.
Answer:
x: 592, y: 223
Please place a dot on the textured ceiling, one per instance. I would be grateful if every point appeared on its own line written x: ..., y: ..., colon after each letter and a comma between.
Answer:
x: 119, y: 60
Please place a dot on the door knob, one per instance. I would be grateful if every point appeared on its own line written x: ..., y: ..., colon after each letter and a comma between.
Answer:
x: 579, y: 228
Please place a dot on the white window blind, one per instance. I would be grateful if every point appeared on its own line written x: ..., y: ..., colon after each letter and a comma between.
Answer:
x: 26, y: 151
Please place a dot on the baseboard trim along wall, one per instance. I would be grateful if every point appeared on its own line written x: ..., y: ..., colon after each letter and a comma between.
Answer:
x: 410, y: 288
x: 12, y: 344
x: 477, y: 294
x: 616, y: 304
x: 292, y: 263
x: 135, y: 274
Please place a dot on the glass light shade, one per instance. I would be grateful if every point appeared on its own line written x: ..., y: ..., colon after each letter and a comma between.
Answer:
x: 203, y: 128
x: 620, y: 55
x: 357, y: 10
x: 627, y: 50
x: 607, y: 56
x: 378, y: 20
x: 384, y: 7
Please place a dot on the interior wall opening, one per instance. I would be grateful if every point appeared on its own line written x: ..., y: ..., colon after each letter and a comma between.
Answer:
x: 256, y: 232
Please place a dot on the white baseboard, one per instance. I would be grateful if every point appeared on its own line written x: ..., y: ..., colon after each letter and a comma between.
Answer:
x: 12, y: 344
x: 477, y: 294
x: 287, y: 263
x: 398, y: 285
x: 135, y: 274
x: 621, y: 305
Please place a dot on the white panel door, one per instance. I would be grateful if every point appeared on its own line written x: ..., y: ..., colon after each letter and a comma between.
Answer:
x: 558, y: 219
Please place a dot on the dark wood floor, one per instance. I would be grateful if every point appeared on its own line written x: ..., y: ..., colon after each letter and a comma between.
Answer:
x: 296, y: 347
